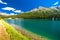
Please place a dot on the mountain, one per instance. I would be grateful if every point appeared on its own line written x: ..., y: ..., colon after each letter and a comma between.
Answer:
x: 41, y: 12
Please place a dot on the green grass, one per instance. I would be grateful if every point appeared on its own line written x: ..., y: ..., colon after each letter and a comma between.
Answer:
x: 14, y: 35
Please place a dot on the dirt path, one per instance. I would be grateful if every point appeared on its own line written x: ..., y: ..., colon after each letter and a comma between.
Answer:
x: 3, y: 33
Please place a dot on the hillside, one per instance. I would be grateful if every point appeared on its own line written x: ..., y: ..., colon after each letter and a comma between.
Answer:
x: 41, y: 13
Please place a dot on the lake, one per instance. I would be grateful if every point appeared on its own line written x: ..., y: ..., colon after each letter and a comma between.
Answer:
x: 47, y: 28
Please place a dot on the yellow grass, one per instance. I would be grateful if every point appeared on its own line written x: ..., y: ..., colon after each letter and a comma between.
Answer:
x: 13, y: 34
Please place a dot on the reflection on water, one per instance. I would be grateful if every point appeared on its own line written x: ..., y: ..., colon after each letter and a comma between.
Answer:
x: 46, y: 28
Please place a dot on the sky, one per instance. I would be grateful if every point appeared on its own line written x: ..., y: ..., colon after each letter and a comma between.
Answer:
x: 20, y: 6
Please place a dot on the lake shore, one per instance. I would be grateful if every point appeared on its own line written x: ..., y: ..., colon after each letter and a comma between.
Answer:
x: 13, y: 34
x: 16, y: 33
x: 29, y: 34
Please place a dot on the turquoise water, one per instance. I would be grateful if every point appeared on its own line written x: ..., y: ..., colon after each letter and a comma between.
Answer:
x: 47, y: 28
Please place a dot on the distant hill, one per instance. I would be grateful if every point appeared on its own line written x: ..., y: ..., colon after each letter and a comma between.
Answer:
x: 41, y: 12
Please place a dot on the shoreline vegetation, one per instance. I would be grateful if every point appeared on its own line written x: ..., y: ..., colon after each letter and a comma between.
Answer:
x: 18, y: 34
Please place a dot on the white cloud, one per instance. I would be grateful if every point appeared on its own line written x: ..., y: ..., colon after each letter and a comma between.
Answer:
x: 56, y: 3
x: 18, y: 11
x: 3, y: 2
x: 11, y: 14
x: 12, y: 9
x: 8, y: 8
x: 6, y: 14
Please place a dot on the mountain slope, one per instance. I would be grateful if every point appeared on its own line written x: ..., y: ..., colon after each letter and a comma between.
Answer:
x: 41, y: 13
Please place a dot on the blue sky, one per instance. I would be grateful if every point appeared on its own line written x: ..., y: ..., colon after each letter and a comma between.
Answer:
x: 18, y: 6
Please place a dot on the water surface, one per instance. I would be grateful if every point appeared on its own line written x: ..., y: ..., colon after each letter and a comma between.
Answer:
x: 47, y: 28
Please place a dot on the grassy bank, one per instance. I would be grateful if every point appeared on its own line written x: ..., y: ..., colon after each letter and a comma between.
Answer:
x: 13, y: 34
